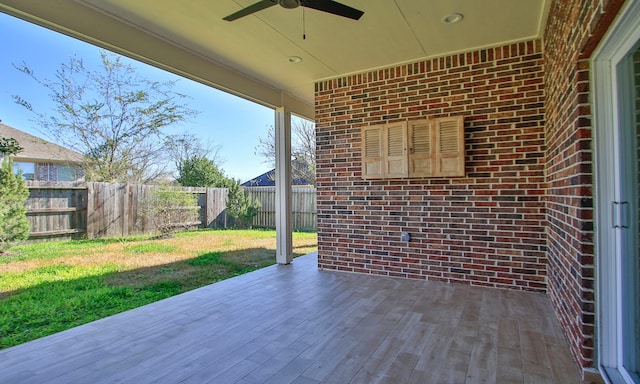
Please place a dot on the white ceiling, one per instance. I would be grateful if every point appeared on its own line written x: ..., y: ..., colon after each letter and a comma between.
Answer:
x: 249, y: 56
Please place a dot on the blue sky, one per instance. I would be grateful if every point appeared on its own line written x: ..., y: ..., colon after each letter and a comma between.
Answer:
x: 231, y: 122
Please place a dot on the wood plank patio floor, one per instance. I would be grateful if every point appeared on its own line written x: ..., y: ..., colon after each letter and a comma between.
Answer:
x: 296, y: 324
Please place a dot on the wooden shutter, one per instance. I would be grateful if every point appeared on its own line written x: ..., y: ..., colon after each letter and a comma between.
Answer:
x: 449, y: 140
x: 395, y: 149
x: 421, y: 148
x: 372, y: 152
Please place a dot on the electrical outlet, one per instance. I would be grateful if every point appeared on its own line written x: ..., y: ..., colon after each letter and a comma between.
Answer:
x: 405, y: 236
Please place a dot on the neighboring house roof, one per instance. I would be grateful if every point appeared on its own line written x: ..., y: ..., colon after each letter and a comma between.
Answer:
x: 36, y: 149
x: 267, y: 179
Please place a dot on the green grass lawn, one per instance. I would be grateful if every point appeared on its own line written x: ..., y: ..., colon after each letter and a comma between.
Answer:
x: 49, y: 287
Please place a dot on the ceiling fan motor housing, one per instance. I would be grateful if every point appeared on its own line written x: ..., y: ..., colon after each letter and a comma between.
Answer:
x: 289, y: 4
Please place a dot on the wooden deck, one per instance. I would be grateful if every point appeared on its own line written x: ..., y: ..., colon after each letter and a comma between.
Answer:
x: 295, y: 324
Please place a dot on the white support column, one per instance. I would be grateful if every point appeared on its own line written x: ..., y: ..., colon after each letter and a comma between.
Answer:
x: 284, y: 245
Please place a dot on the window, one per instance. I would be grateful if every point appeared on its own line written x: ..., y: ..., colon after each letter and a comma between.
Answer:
x: 27, y: 169
x: 68, y: 173
x: 46, y: 172
x: 419, y: 148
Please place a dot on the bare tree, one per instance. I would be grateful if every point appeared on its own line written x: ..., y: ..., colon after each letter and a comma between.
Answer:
x: 111, y: 115
x: 185, y: 147
x: 303, y: 149
x: 266, y: 147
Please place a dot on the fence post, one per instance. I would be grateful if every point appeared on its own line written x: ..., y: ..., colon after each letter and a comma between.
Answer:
x: 90, y: 212
x: 208, y: 208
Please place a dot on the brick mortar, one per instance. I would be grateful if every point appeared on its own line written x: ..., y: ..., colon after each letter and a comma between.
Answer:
x: 573, y: 30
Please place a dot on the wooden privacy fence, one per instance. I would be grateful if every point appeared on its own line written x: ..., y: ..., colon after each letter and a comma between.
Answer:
x: 64, y: 210
x: 56, y: 209
x: 303, y: 207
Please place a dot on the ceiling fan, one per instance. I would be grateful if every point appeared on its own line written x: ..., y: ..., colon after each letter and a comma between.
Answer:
x: 328, y: 6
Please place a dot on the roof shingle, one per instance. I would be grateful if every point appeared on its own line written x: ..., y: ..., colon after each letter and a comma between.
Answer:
x: 36, y: 149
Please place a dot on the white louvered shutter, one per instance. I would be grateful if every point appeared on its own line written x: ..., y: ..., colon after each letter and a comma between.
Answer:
x: 421, y: 149
x: 450, y: 153
x: 395, y: 146
x: 372, y: 152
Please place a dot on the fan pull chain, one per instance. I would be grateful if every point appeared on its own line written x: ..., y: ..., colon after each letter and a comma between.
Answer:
x: 304, y: 26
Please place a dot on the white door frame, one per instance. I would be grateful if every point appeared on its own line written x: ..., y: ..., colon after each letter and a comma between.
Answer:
x: 611, y: 190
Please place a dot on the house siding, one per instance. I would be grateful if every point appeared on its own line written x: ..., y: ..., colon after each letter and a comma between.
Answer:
x: 487, y: 228
x: 573, y: 31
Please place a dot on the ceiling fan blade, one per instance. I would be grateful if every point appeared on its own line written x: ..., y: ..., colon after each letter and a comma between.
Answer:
x: 259, y: 6
x: 333, y: 7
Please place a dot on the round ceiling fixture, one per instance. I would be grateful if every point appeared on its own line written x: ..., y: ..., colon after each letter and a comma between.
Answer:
x: 289, y: 4
x: 452, y: 18
x: 294, y: 59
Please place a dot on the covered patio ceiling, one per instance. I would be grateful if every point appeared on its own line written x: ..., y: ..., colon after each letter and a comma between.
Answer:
x: 249, y: 57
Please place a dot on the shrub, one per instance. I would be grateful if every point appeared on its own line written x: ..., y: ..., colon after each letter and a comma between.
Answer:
x: 171, y: 210
x: 14, y: 226
x: 198, y: 171
x: 240, y: 206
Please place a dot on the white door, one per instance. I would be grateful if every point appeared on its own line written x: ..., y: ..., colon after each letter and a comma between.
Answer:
x: 617, y: 161
x: 627, y: 215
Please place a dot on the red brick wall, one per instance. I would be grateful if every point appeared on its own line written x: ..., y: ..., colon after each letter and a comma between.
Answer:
x: 523, y: 211
x: 573, y: 30
x: 487, y: 228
